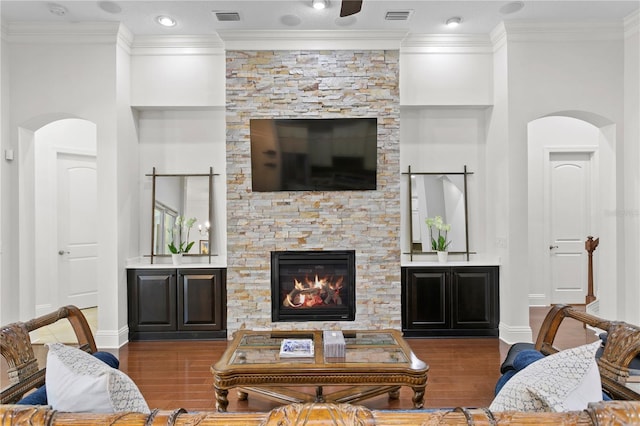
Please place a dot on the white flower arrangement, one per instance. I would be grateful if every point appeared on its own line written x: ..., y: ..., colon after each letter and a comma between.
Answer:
x: 440, y: 243
x: 180, y: 226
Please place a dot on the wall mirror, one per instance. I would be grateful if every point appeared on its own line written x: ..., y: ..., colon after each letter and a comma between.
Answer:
x: 438, y: 194
x: 186, y: 196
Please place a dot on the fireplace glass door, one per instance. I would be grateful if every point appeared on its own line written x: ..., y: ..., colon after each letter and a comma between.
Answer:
x: 313, y: 285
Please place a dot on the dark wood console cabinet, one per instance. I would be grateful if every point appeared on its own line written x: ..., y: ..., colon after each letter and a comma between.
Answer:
x: 450, y: 301
x: 176, y: 303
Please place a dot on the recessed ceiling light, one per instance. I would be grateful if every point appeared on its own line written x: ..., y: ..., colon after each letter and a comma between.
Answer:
x: 57, y: 9
x: 319, y: 4
x: 453, y: 22
x: 166, y: 21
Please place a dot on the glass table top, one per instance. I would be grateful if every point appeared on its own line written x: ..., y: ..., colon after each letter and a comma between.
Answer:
x: 361, y: 347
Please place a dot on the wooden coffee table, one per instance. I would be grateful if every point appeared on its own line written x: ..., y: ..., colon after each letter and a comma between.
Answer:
x: 376, y: 362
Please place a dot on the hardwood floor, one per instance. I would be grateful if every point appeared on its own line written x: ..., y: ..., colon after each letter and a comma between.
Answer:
x: 176, y: 374
x: 462, y: 372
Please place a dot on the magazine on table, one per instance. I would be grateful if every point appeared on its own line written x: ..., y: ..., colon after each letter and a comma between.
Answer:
x: 295, y: 348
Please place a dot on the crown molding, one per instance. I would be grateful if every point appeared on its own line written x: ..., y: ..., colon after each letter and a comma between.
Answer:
x: 311, y: 40
x: 177, y: 45
x: 498, y: 37
x: 447, y: 43
x: 125, y: 38
x: 632, y: 24
x: 563, y: 31
x: 63, y: 32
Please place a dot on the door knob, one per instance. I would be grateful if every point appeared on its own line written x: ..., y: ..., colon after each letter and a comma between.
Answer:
x: 552, y: 247
x: 62, y: 252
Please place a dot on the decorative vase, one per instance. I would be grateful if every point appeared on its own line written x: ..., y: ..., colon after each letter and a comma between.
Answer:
x: 176, y: 258
x: 442, y: 256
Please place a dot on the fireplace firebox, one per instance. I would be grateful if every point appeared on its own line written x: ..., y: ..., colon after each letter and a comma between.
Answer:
x: 313, y: 285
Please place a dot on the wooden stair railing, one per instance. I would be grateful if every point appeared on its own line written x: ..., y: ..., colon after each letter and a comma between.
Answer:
x: 590, y: 245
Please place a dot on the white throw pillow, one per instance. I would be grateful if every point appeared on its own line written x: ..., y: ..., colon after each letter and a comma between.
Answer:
x: 564, y: 381
x: 79, y: 382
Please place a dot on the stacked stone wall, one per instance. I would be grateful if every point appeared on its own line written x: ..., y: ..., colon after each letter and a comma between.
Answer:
x: 313, y: 84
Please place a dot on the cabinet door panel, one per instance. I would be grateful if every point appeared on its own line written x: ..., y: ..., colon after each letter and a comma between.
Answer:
x: 199, y: 300
x: 426, y: 295
x: 475, y: 298
x: 152, y: 301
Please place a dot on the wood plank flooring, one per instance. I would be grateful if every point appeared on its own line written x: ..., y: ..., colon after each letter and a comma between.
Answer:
x: 462, y: 372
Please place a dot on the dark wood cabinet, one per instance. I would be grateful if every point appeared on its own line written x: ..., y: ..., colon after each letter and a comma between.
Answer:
x: 176, y: 303
x: 450, y: 301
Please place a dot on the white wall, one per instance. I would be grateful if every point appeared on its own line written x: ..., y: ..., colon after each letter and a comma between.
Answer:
x: 172, y: 72
x: 446, y: 84
x: 62, y: 71
x: 552, y: 70
x: 445, y: 139
x: 629, y: 295
x: 446, y: 70
x: 183, y: 141
x: 6, y: 292
x: 514, y: 315
x: 178, y: 89
x: 124, y: 207
x: 85, y: 71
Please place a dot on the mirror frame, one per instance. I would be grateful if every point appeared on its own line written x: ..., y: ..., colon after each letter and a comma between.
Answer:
x: 410, y: 174
x: 154, y: 176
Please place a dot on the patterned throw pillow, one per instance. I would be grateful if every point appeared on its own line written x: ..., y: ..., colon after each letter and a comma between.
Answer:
x: 78, y: 382
x: 564, y: 381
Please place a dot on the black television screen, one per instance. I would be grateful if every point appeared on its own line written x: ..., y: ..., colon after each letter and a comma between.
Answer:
x: 315, y: 154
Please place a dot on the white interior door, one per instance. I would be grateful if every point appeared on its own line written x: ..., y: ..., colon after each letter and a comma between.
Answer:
x: 77, y: 230
x: 569, y: 201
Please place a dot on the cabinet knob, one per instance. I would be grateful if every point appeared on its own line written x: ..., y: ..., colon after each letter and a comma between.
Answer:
x: 552, y: 247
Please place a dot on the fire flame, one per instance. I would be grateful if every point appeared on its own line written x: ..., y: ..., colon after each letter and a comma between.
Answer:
x: 317, y: 292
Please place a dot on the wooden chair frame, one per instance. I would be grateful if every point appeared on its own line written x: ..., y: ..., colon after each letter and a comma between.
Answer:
x: 16, y: 348
x: 622, y: 346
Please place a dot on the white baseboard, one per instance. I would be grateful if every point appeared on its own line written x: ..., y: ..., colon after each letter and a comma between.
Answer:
x: 513, y: 335
x: 44, y: 309
x: 538, y: 300
x: 112, y: 339
x: 593, y: 308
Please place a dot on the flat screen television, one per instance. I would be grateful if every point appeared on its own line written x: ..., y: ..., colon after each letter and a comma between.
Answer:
x: 314, y: 154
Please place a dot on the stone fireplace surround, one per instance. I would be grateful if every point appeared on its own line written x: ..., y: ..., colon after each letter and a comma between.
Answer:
x: 292, y: 84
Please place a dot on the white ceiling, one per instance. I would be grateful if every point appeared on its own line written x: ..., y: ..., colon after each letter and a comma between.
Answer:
x: 427, y: 17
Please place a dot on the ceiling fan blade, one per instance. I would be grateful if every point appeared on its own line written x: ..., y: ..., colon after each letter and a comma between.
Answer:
x: 350, y: 7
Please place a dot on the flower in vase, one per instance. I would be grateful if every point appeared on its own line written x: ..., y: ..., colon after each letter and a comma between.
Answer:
x: 440, y: 242
x: 182, y: 226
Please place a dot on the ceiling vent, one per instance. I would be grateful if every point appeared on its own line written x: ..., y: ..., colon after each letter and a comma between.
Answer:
x: 227, y: 16
x: 398, y: 15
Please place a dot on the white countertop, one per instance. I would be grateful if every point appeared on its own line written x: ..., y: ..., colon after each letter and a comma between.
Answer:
x: 454, y: 260
x: 452, y: 263
x: 165, y: 263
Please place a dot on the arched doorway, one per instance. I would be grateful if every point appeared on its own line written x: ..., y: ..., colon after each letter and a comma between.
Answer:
x: 58, y: 210
x: 571, y: 183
